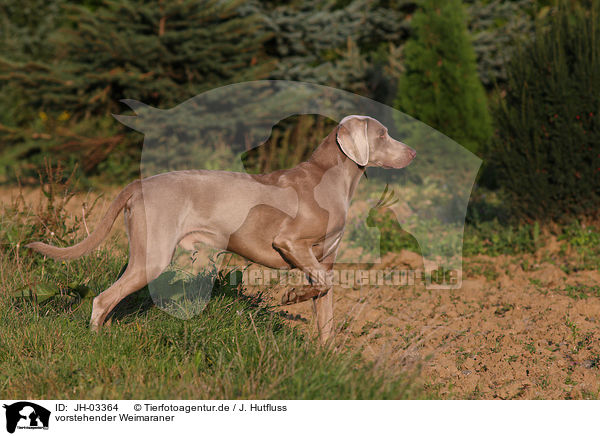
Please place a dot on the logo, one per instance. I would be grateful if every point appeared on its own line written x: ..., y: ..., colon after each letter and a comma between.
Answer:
x: 26, y: 415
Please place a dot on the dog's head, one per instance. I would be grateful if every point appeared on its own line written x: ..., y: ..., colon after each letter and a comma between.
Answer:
x: 366, y: 141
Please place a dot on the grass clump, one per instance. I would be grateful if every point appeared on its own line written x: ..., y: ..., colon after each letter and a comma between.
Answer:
x: 23, y: 271
x: 584, y: 242
x: 493, y: 239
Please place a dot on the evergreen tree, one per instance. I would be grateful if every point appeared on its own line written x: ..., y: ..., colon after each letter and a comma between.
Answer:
x: 158, y: 52
x: 441, y: 86
x: 337, y: 43
x: 497, y: 26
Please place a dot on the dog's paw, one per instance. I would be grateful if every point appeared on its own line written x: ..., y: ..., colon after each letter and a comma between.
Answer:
x: 298, y: 295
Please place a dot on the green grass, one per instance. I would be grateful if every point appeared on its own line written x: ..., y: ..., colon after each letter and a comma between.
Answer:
x: 489, y: 237
x: 579, y: 292
x: 485, y: 269
x: 233, y: 349
x: 486, y: 230
x: 393, y: 238
x: 492, y: 238
x: 237, y: 347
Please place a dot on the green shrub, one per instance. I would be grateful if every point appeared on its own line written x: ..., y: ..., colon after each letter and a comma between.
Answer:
x: 547, y: 151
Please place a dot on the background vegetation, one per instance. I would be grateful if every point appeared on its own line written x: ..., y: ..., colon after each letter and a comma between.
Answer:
x: 547, y: 149
x: 64, y: 66
x: 514, y: 80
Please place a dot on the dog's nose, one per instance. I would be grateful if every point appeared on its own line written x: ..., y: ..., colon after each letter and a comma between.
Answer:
x: 413, y: 153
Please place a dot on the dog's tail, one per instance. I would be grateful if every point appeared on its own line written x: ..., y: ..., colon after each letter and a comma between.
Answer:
x: 94, y: 239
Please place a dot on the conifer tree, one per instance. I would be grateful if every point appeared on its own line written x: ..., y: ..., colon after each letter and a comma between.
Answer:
x: 25, y: 26
x: 336, y: 43
x: 159, y: 52
x: 441, y: 86
x: 497, y: 27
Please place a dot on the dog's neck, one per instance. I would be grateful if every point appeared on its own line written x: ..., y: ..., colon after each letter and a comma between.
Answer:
x: 329, y: 157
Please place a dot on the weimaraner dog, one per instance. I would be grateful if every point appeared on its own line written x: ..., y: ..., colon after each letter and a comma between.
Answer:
x: 291, y: 218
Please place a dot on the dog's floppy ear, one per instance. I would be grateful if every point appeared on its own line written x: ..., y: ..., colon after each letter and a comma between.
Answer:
x: 352, y: 138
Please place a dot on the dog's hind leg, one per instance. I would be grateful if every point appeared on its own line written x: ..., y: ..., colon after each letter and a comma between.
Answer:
x: 132, y: 280
x: 149, y: 255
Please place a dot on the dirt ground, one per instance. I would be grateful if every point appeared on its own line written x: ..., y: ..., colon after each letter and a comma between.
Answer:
x: 513, y: 330
x: 518, y: 335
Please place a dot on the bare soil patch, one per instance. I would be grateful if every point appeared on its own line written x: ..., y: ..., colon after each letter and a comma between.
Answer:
x: 519, y: 333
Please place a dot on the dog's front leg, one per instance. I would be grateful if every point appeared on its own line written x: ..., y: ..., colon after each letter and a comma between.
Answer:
x: 300, y: 255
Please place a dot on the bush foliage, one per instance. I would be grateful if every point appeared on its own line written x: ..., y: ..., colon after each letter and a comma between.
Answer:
x: 547, y: 152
